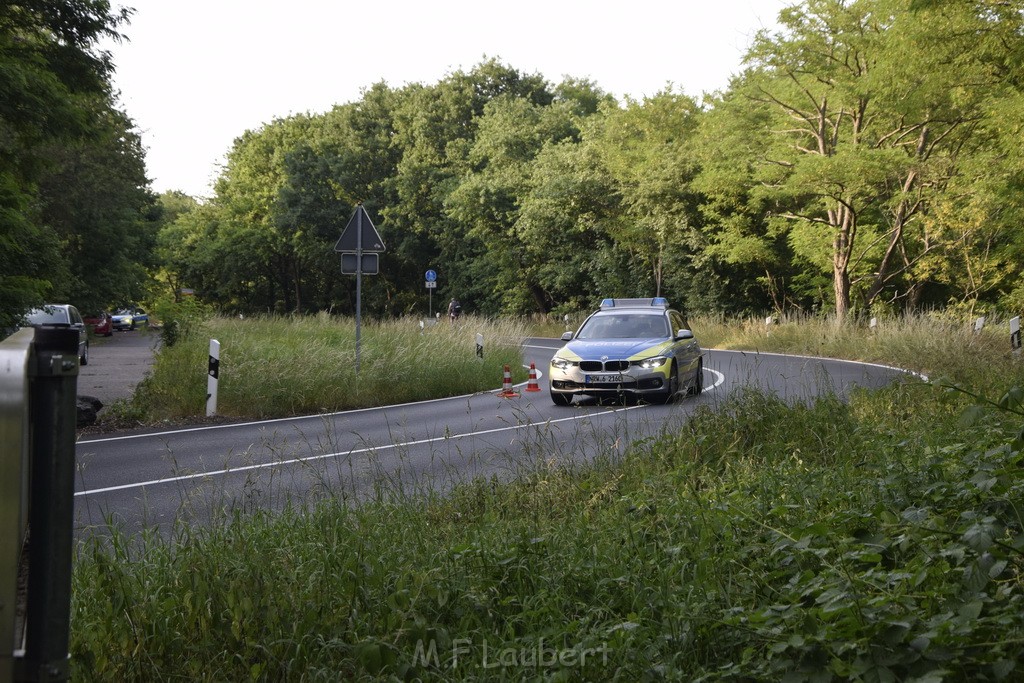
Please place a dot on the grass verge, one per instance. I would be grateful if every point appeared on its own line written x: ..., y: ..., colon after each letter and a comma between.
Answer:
x: 279, y: 367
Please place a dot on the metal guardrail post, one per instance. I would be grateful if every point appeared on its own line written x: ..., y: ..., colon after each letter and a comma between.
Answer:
x: 53, y: 386
x: 15, y: 353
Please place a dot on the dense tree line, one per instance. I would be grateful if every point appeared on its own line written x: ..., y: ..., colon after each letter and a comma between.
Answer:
x: 78, y: 222
x: 867, y: 159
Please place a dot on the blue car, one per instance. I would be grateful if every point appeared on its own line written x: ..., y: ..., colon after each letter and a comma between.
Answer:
x: 630, y: 347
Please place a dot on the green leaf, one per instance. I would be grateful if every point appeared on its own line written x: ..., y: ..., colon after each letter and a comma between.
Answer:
x: 1003, y: 668
x: 971, y: 610
x: 996, y: 569
x: 978, y: 537
x: 972, y: 415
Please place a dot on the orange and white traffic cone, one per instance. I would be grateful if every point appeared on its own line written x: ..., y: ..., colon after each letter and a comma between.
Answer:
x: 532, y: 384
x: 506, y: 385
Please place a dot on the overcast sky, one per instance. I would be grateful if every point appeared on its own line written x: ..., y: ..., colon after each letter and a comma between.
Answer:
x: 197, y: 74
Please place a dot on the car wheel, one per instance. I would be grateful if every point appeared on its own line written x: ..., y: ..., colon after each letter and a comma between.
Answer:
x: 84, y: 358
x: 673, y: 384
x: 561, y: 399
x: 697, y: 385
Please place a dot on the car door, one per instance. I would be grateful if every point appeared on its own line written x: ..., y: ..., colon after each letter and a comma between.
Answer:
x: 686, y: 350
x: 76, y: 322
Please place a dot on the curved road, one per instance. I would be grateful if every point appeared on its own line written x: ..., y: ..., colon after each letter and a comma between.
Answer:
x: 193, y: 475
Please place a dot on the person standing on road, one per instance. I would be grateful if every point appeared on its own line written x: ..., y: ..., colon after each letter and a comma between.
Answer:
x: 454, y: 309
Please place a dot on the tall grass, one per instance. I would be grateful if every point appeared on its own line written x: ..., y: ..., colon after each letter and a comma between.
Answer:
x: 929, y: 344
x: 279, y: 366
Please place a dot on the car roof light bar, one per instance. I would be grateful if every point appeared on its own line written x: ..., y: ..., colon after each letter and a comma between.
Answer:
x: 656, y: 302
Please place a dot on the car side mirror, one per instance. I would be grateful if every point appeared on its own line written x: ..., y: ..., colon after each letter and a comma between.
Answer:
x: 684, y: 334
x: 567, y: 336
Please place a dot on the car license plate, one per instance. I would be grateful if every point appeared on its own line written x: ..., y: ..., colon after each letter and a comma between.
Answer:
x: 602, y: 379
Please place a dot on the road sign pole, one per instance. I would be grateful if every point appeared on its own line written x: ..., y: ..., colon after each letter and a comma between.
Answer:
x: 359, y: 283
x: 431, y: 282
x: 374, y: 245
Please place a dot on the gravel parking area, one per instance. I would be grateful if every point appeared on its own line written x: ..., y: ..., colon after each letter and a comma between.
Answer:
x: 117, y: 364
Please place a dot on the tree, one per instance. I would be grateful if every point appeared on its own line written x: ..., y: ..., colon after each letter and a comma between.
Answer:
x: 51, y: 74
x: 95, y: 197
x: 435, y: 128
x: 487, y: 200
x: 646, y: 147
x: 870, y: 117
x: 751, y: 253
x: 260, y: 263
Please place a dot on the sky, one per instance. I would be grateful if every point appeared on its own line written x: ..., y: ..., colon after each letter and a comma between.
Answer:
x: 196, y: 74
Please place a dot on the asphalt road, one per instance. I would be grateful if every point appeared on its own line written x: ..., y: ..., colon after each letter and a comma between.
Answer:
x: 117, y: 364
x: 188, y: 476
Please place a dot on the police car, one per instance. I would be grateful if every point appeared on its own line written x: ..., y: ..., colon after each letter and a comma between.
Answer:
x: 638, y: 347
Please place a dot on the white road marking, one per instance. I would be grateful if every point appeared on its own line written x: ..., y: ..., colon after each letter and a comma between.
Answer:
x: 293, y: 461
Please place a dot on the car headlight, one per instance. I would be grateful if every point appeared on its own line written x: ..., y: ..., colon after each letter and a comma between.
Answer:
x: 649, y: 363
x: 561, y: 363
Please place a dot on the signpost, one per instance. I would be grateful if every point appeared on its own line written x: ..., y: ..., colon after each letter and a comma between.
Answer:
x: 431, y: 277
x: 360, y: 246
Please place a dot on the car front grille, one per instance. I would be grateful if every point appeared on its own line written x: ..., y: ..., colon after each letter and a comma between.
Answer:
x: 608, y: 365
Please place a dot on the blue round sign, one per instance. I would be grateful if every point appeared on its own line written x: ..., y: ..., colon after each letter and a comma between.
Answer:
x: 431, y: 276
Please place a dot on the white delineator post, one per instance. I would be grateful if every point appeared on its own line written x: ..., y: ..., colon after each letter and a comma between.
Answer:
x: 1015, y: 334
x: 213, y: 374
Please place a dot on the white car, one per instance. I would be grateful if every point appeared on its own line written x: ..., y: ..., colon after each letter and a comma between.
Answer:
x: 635, y: 347
x: 129, y: 318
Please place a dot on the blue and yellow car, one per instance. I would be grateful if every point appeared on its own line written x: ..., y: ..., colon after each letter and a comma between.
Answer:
x: 630, y: 347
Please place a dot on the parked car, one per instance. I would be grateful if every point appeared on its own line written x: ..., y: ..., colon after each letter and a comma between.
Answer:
x: 62, y: 315
x: 101, y: 323
x: 634, y: 347
x: 129, y: 318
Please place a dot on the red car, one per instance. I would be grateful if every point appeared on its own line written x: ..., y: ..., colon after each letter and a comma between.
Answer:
x: 101, y: 323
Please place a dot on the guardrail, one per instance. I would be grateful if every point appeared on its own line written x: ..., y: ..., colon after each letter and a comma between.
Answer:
x: 38, y: 383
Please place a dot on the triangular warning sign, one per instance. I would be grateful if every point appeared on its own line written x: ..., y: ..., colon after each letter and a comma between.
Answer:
x: 358, y: 226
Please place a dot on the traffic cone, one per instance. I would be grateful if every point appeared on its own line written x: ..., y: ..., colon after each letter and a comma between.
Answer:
x: 506, y: 385
x: 532, y: 384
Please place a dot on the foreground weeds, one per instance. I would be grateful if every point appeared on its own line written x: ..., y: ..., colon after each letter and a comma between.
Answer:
x: 876, y: 539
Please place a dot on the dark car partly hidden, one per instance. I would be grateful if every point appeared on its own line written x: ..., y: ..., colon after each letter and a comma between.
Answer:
x: 101, y: 323
x: 62, y: 315
x: 630, y: 347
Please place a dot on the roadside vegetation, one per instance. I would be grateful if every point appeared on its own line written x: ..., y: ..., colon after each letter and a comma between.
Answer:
x: 281, y: 366
x: 874, y: 539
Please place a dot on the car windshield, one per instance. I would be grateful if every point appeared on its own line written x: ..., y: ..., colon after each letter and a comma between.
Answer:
x: 47, y: 316
x: 624, y: 326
